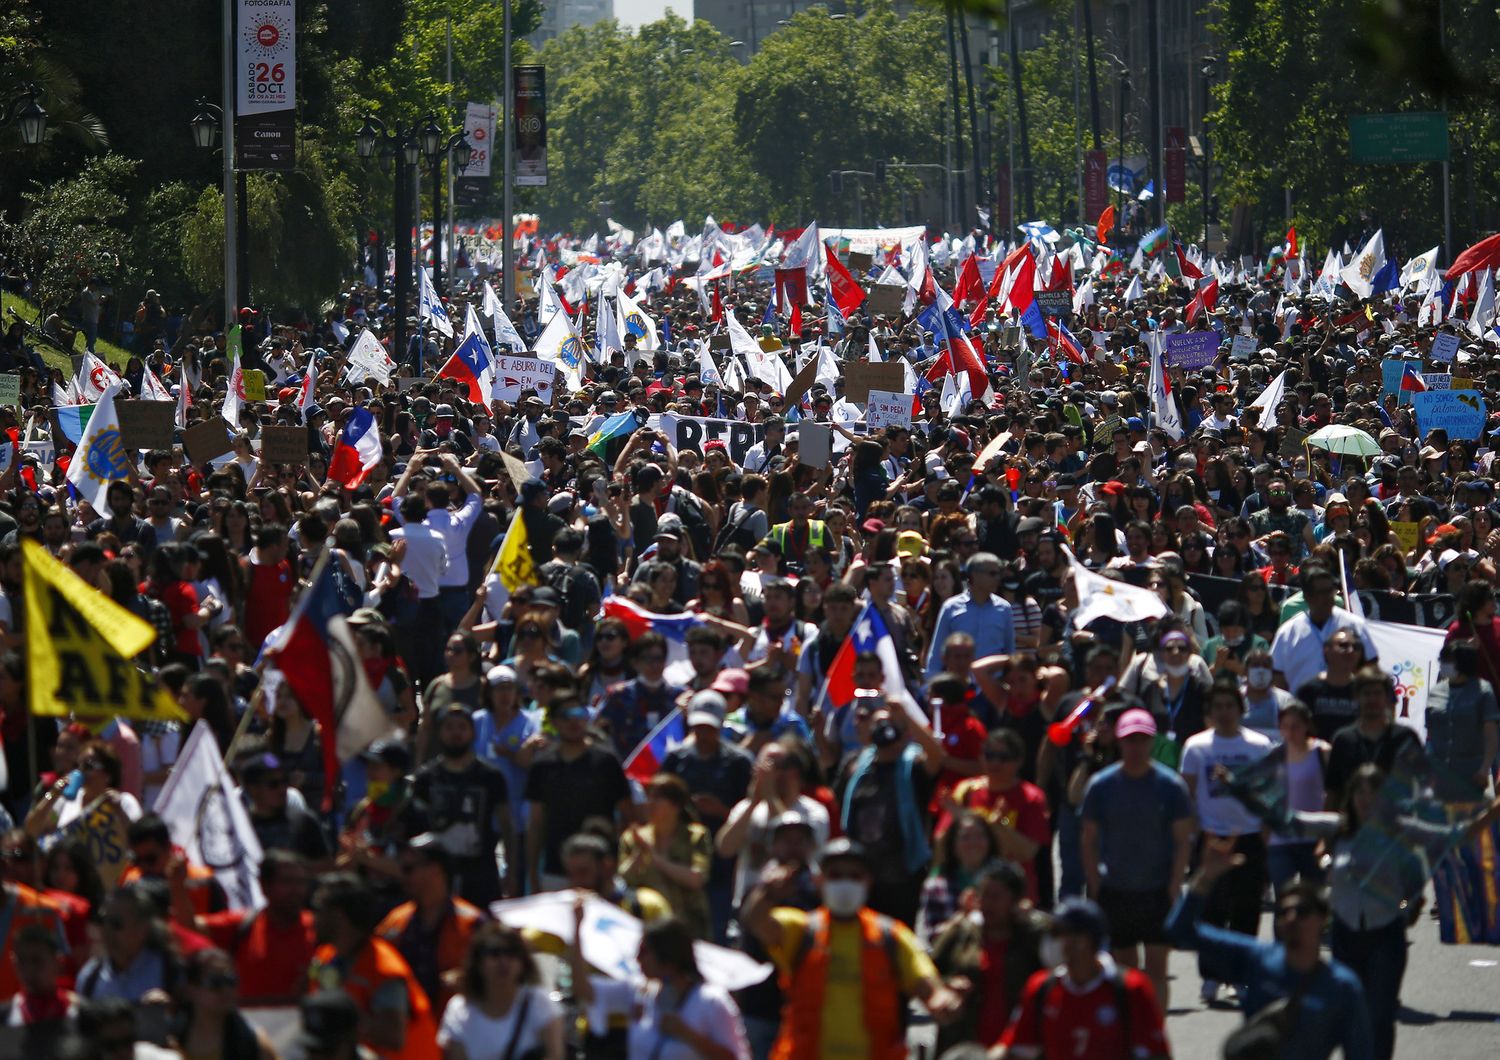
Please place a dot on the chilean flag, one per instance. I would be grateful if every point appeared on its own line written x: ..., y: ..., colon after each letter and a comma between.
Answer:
x: 470, y: 365
x: 638, y: 620
x: 868, y: 633
x: 1411, y: 382
x: 309, y: 389
x: 1062, y: 341
x: 642, y: 763
x: 358, y: 450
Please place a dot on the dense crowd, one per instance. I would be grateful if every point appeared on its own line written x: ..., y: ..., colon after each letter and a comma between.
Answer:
x: 968, y: 716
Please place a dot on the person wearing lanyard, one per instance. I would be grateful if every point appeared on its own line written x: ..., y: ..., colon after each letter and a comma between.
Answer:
x: 674, y: 1014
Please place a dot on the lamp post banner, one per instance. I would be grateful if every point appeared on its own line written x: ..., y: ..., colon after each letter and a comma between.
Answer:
x: 267, y: 56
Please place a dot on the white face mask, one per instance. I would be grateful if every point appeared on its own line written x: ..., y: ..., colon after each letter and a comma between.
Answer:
x: 1234, y: 642
x: 845, y: 898
x: 1259, y: 676
x: 1176, y: 669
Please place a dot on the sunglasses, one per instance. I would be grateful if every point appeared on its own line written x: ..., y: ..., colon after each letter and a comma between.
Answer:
x: 608, y: 636
x: 501, y: 951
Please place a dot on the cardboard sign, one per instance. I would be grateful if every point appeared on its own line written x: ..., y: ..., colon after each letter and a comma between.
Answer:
x: 1406, y: 534
x: 283, y: 445
x: 1243, y: 346
x: 1444, y: 348
x: 814, y: 443
x: 719, y: 343
x: 887, y: 409
x: 253, y: 384
x: 860, y: 262
x: 1460, y: 412
x: 147, y: 424
x: 692, y: 432
x: 1460, y: 382
x: 1291, y: 442
x: 860, y: 377
x: 1192, y: 349
x: 805, y: 377
x: 518, y: 472
x: 204, y: 441
x: 886, y: 299
x: 10, y: 389
x: 514, y: 374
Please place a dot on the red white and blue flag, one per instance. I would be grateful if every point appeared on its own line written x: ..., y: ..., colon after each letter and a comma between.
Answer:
x: 1411, y: 382
x: 638, y: 620
x: 357, y: 451
x: 309, y: 389
x: 315, y: 652
x: 471, y: 366
x: 1062, y: 341
x: 868, y: 634
x: 642, y: 763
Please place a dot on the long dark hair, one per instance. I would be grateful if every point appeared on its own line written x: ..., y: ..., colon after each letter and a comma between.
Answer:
x: 947, y: 852
x: 671, y: 942
x: 506, y: 937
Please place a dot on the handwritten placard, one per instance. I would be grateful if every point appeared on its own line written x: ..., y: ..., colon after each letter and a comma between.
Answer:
x: 283, y: 445
x: 1406, y: 533
x: 204, y: 441
x: 1192, y: 349
x: 1459, y: 412
x: 1444, y: 348
x: 885, y: 408
x: 147, y: 424
x: 10, y: 389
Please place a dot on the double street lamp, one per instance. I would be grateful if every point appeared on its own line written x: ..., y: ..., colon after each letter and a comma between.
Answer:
x: 207, y: 127
x: 27, y: 112
x: 434, y: 149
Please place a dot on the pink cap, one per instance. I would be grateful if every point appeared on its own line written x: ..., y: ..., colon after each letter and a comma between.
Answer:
x: 1135, y: 722
x: 733, y: 681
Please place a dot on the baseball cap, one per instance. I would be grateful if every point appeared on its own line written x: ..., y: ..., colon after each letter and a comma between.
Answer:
x: 706, y: 708
x: 1081, y: 916
x: 501, y: 674
x: 731, y: 682
x: 330, y: 1020
x: 910, y: 543
x: 791, y: 819
x: 1135, y: 722
x: 393, y: 753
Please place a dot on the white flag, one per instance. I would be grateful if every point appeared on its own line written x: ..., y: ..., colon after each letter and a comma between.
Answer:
x: 505, y: 332
x: 559, y: 343
x: 93, y: 379
x: 708, y: 372
x: 340, y: 332
x: 1084, y: 296
x: 209, y: 822
x: 1101, y: 597
x: 549, y: 303
x: 101, y: 457
x: 765, y: 366
x: 633, y: 320
x: 1268, y: 401
x: 1419, y: 268
x: 430, y: 307
x: 873, y: 354
x: 1162, y: 406
x: 151, y: 388
x: 1134, y: 292
x: 1359, y: 275
x: 1484, y: 306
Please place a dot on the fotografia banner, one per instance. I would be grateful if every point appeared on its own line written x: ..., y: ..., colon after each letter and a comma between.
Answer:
x: 469, y: 188
x: 266, y: 85
x: 530, y: 129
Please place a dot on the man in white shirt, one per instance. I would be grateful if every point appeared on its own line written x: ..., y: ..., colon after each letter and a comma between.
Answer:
x: 760, y: 455
x: 1297, y: 651
x: 453, y: 525
x: 422, y: 554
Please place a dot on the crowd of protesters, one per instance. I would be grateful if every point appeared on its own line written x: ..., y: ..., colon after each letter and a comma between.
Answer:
x: 1007, y: 834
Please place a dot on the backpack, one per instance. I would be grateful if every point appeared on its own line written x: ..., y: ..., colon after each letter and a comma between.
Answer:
x: 735, y: 533
x: 694, y: 522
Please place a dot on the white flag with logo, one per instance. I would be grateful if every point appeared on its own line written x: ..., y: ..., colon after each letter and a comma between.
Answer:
x: 430, y: 307
x: 209, y: 822
x: 93, y: 379
x: 1101, y: 597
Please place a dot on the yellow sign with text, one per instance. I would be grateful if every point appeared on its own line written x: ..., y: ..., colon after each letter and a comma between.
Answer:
x: 1406, y: 533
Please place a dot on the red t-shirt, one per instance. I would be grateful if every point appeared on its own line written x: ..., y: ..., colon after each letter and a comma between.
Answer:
x: 963, y: 737
x: 1084, y: 1023
x: 995, y: 1012
x: 1488, y: 636
x: 181, y: 600
x: 1023, y: 808
x: 272, y: 962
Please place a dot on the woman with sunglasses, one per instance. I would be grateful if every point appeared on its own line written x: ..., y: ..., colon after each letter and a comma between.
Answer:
x: 501, y: 1010
x: 719, y: 594
x: 462, y: 683
x: 210, y: 1025
x: 1262, y: 609
x: 1173, y: 682
x: 673, y: 1013
x: 609, y: 662
x: 97, y: 778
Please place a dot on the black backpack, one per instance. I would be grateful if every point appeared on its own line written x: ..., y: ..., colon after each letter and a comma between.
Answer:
x: 736, y: 533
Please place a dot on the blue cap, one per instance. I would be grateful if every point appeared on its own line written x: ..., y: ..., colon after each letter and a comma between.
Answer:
x: 1082, y: 916
x: 1135, y: 423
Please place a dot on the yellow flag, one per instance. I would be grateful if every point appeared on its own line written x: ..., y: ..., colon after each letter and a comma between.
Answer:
x: 514, y: 564
x: 81, y: 646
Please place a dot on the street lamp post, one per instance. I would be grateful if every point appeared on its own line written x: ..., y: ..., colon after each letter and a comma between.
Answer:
x: 1210, y: 65
x: 28, y: 113
x: 405, y: 150
x: 207, y: 128
x: 434, y: 149
x: 1120, y: 183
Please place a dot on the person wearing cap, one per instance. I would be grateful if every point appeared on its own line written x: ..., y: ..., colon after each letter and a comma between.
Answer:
x: 468, y: 805
x: 669, y: 551
x: 432, y: 929
x: 1090, y: 1007
x: 396, y: 1017
x: 856, y: 1013
x: 1136, y: 840
x: 501, y: 731
x: 330, y: 1028
x: 278, y: 824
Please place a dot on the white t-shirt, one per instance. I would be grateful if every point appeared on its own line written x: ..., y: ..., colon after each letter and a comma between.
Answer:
x: 1297, y: 650
x: 753, y: 856
x: 707, y: 1009
x: 486, y: 1038
x: 1219, y: 812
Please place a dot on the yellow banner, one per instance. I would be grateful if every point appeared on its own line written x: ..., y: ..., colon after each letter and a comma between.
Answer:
x: 514, y: 563
x: 104, y: 828
x: 80, y: 649
x: 1406, y: 533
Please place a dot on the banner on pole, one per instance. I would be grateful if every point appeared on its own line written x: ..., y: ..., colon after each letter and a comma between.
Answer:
x: 530, y: 129
x: 266, y: 85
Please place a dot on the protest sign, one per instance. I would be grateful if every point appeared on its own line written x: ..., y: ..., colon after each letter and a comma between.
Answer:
x: 204, y: 441
x: 147, y: 424
x: 1437, y: 380
x: 1460, y: 382
x: 814, y: 443
x: 1192, y: 349
x: 886, y: 299
x: 1406, y: 533
x: 1055, y: 303
x: 1391, y: 372
x: 103, y: 827
x: 44, y: 451
x: 10, y: 389
x: 516, y: 469
x: 283, y: 445
x: 1291, y: 442
x: 886, y: 408
x: 693, y: 432
x: 1459, y: 412
x: 805, y: 377
x: 1444, y: 348
x: 1409, y: 656
x: 860, y: 377
x: 514, y: 374
x: 719, y: 344
x: 1243, y: 346
x: 253, y: 384
x: 860, y: 262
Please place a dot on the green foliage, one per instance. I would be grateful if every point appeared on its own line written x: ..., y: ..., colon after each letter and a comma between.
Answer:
x: 72, y: 230
x: 1296, y: 72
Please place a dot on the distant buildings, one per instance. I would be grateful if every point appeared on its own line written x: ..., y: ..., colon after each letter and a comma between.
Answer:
x: 560, y: 15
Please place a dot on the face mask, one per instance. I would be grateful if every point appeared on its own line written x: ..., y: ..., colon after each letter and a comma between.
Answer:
x: 845, y: 898
x: 1234, y: 642
x: 1446, y: 670
x: 1176, y: 669
x: 885, y: 734
x: 1259, y: 676
x: 455, y: 752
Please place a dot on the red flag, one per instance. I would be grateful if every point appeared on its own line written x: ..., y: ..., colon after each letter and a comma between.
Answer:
x: 847, y: 294
x: 970, y: 284
x: 1291, y: 242
x: 794, y: 325
x: 718, y: 304
x: 1188, y: 269
x: 1106, y: 223
x: 791, y: 286
x: 1482, y: 255
x: 1204, y: 301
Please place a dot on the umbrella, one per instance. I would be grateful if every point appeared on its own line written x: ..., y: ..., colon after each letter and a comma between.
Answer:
x: 1345, y: 440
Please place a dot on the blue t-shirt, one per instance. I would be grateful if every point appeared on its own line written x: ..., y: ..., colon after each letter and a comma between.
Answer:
x: 488, y: 740
x: 1135, y: 817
